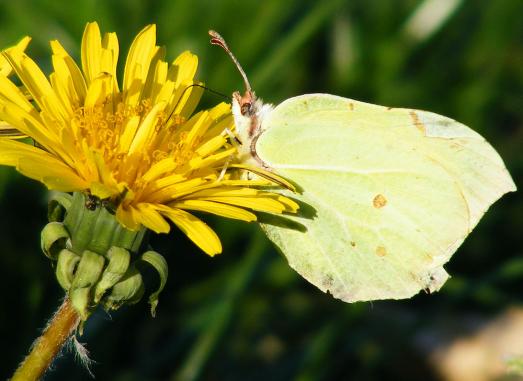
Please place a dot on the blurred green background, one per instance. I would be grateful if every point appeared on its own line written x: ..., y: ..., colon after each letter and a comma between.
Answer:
x: 245, y: 315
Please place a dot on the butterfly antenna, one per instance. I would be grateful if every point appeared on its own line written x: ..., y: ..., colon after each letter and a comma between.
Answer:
x: 217, y: 39
x: 226, y: 97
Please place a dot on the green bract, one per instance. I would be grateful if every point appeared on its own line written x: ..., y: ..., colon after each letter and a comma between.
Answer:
x: 97, y: 259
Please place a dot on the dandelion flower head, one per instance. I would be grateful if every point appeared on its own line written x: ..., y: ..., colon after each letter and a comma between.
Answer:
x: 138, y: 144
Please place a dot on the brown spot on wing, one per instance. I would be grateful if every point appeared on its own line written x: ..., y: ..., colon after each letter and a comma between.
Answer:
x: 351, y: 106
x: 379, y: 201
x: 415, y: 119
x: 381, y: 251
x: 353, y: 244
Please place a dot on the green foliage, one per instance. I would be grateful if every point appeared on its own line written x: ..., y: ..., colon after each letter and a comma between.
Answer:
x: 245, y: 314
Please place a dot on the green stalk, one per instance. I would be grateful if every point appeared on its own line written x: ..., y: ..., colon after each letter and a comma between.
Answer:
x: 47, y: 346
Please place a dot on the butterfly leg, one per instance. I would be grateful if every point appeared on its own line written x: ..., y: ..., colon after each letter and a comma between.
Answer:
x: 225, y: 166
x: 235, y: 141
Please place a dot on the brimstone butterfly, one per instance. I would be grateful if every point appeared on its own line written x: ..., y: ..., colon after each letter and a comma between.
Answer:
x: 395, y: 191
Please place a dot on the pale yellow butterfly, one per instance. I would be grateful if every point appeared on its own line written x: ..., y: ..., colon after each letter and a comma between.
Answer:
x: 395, y: 191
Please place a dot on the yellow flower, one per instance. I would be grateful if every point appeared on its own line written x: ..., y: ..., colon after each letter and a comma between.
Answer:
x: 137, y: 144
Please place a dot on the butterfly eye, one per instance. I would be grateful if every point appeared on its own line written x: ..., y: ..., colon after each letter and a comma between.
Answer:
x: 246, y: 108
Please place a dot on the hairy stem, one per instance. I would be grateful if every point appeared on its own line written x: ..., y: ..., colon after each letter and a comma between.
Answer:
x: 47, y: 346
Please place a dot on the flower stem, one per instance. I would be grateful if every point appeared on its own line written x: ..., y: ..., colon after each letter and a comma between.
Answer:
x: 47, y: 346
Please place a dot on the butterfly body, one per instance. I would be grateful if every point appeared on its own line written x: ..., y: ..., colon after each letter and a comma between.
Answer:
x: 249, y: 112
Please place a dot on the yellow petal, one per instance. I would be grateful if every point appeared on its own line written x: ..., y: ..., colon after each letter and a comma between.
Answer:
x: 37, y: 84
x: 91, y: 51
x: 198, y: 129
x: 177, y: 190
x: 267, y: 175
x: 129, y: 131
x: 128, y: 217
x: 151, y: 218
x: 219, y: 209
x: 110, y: 50
x: 249, y: 198
x: 10, y: 93
x: 31, y: 126
x: 9, y: 132
x: 211, y: 145
x: 246, y: 183
x: 98, y: 90
x: 168, y: 181
x: 11, y: 151
x: 137, y: 64
x: 40, y: 165
x: 105, y: 175
x: 102, y: 191
x: 158, y: 169
x: 156, y: 76
x: 160, y: 87
x: 226, y: 192
x: 209, y: 161
x: 222, y: 122
x: 5, y: 67
x: 184, y: 68
x: 197, y: 231
x: 69, y: 74
x: 189, y: 97
x: 61, y: 92
x: 51, y: 172
x: 258, y: 203
x: 290, y: 205
x: 147, y: 129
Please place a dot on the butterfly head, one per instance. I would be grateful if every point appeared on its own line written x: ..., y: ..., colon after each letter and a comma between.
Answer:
x: 246, y: 102
x: 247, y: 108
